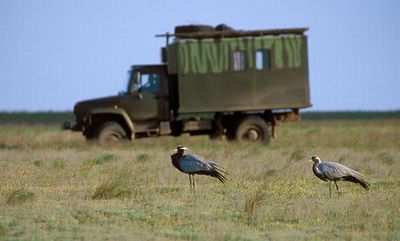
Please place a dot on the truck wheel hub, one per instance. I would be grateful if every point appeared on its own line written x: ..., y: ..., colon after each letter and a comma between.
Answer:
x: 112, y: 139
x: 252, y: 135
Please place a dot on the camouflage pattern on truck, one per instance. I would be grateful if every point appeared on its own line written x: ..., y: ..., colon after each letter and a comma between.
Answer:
x: 209, y: 82
x: 213, y: 56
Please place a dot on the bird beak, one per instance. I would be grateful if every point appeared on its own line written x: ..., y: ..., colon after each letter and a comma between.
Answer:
x: 310, y: 160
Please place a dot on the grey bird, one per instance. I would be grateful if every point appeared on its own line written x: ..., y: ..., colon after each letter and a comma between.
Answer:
x: 192, y: 164
x: 332, y: 171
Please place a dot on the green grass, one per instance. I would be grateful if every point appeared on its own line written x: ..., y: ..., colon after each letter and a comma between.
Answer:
x: 350, y: 115
x: 57, y: 118
x: 36, y: 117
x: 75, y: 191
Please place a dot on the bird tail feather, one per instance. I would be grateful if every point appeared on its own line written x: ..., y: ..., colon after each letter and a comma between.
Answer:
x: 221, y: 177
x: 218, y: 172
x: 357, y: 177
x: 216, y: 166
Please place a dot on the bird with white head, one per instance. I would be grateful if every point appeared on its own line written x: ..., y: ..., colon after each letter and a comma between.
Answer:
x: 332, y: 171
x: 192, y: 164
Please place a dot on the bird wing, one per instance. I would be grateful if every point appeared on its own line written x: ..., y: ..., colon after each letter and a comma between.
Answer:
x: 194, y: 163
x: 337, y: 171
x: 333, y: 170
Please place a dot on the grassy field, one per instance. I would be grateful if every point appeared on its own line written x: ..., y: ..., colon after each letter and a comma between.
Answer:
x: 56, y: 187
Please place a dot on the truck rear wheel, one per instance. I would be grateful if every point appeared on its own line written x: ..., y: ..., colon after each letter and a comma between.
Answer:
x: 110, y: 133
x: 253, y: 129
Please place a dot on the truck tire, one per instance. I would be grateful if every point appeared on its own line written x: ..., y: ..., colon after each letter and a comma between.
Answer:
x: 110, y: 133
x: 216, y: 135
x: 253, y: 129
x: 217, y: 131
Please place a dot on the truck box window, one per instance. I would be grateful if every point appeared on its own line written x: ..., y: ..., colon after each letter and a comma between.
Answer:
x: 263, y: 59
x: 238, y: 61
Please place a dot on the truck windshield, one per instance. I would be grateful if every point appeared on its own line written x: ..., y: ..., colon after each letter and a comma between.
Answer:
x: 146, y: 82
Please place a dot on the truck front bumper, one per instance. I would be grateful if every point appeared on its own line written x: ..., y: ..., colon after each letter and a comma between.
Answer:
x: 70, y: 126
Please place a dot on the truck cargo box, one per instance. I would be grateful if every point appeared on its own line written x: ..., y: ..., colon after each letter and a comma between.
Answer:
x: 240, y: 71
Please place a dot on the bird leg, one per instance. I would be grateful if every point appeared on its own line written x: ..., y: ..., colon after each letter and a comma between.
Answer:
x: 192, y: 183
x: 337, y: 188
x: 330, y: 191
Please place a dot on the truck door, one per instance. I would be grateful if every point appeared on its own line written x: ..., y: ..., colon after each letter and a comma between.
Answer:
x: 150, y: 94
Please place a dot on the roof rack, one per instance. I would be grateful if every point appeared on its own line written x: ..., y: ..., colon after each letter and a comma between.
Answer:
x: 232, y: 34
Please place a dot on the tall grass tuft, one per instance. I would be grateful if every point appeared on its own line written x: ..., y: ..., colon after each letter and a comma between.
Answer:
x: 252, y: 201
x: 250, y: 207
x: 297, y: 154
x: 119, y: 187
x: 89, y: 164
x: 112, y: 189
x: 19, y: 196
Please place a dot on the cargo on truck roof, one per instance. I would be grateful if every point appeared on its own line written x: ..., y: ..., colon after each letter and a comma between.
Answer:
x: 224, y: 31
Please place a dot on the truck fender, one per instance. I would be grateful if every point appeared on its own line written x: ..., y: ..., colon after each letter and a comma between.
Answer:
x: 115, y: 111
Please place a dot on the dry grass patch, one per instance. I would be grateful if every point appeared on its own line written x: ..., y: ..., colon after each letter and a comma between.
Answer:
x: 19, y: 196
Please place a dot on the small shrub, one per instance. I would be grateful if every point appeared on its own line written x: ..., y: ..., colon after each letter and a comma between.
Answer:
x: 105, y: 158
x: 112, y: 189
x: 38, y: 163
x: 3, y: 230
x: 9, y: 147
x: 90, y: 163
x: 20, y: 196
x: 297, y: 155
x: 125, y: 172
x: 386, y: 158
x: 270, y: 173
x: 81, y: 216
x: 342, y: 158
x: 58, y: 164
x: 142, y: 157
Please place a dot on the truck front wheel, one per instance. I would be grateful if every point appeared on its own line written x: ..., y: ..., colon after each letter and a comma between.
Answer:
x: 110, y: 133
x: 253, y: 129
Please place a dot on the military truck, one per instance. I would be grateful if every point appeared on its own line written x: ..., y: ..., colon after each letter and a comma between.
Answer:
x: 217, y: 81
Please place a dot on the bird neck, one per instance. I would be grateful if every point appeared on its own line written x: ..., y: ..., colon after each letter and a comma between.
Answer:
x: 314, y: 167
x: 175, y: 159
x: 316, y: 163
x: 316, y: 171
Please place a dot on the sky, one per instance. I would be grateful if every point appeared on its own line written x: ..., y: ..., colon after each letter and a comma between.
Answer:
x: 54, y: 53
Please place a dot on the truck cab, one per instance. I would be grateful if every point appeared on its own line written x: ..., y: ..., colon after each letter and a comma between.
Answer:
x: 135, y: 112
x: 147, y: 96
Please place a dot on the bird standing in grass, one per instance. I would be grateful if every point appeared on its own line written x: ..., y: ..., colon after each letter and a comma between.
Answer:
x: 332, y: 171
x: 194, y: 164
